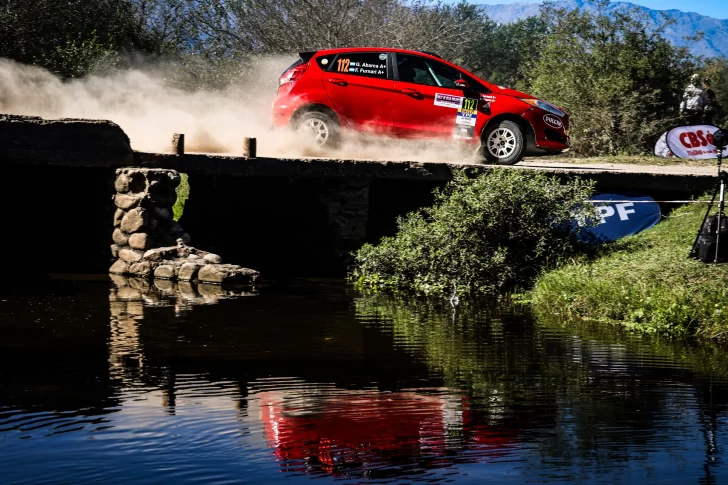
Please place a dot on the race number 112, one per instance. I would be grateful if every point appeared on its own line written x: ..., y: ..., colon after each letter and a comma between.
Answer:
x: 343, y: 65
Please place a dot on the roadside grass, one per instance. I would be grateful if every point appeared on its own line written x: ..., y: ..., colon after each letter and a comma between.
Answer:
x: 183, y: 193
x: 645, y: 282
x: 626, y: 159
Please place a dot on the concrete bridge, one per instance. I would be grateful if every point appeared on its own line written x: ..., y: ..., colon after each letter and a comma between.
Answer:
x: 298, y: 217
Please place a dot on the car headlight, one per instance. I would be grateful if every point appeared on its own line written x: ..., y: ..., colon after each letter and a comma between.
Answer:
x: 537, y: 103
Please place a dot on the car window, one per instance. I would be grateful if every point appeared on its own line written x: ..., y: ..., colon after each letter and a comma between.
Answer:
x: 413, y: 69
x: 370, y: 64
x: 419, y: 70
x: 445, y: 76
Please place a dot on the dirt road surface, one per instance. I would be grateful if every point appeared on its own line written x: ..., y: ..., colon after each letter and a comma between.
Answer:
x: 672, y: 169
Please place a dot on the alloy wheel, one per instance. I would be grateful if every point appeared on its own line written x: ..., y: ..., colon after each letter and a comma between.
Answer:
x: 319, y: 129
x: 501, y: 143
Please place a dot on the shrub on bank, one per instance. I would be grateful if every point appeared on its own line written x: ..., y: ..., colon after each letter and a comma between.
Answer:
x: 482, y: 235
x: 644, y: 281
x: 183, y: 193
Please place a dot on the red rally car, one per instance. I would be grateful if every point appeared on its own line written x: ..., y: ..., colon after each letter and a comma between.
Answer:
x: 410, y: 94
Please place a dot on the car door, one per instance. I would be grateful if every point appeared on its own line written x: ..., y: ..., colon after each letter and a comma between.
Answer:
x: 361, y: 89
x: 429, y: 104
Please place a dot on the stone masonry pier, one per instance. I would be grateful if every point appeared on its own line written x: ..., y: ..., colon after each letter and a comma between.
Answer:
x: 282, y: 217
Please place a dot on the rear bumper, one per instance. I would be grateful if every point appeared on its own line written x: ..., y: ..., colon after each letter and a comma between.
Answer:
x: 281, y: 113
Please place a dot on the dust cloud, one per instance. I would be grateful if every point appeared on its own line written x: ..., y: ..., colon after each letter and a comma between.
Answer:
x: 150, y: 106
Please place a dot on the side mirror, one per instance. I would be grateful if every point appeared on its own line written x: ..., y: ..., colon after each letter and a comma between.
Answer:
x: 462, y: 83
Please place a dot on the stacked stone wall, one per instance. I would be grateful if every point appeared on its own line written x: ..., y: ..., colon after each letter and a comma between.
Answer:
x: 148, y: 242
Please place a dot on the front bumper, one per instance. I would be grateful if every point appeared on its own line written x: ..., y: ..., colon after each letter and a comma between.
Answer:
x: 548, y: 137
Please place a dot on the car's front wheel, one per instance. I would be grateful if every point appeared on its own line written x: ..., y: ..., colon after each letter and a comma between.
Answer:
x: 320, y: 128
x: 503, y: 143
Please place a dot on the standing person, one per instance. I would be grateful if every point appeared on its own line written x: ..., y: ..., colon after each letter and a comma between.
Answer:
x: 710, y: 110
x: 693, y: 102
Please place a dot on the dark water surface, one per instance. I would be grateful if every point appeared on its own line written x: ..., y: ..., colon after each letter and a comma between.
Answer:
x: 123, y: 382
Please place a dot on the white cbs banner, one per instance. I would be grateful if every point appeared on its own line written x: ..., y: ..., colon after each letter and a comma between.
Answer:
x: 693, y: 142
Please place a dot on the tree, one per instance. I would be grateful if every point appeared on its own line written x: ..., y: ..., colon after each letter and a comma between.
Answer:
x: 501, y: 51
x: 620, y: 83
x: 74, y: 37
x: 239, y: 28
x: 717, y: 71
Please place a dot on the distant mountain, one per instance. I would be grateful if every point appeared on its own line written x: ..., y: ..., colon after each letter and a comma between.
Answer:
x: 715, y: 42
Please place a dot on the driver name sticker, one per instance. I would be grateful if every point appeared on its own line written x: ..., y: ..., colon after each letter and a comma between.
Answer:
x: 448, y: 100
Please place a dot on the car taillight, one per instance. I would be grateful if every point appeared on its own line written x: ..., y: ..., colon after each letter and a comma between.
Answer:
x: 292, y: 74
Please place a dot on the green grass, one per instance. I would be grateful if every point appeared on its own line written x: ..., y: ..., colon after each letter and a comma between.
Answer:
x: 645, y: 282
x: 183, y: 193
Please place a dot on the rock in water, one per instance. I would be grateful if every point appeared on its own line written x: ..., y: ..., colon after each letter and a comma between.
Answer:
x: 119, y: 267
x: 226, y: 273
x: 188, y: 271
x: 142, y: 268
x: 165, y: 271
x: 130, y: 255
x: 213, y: 259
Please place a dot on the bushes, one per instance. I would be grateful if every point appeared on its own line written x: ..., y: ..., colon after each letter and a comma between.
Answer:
x: 484, y: 234
x: 645, y: 282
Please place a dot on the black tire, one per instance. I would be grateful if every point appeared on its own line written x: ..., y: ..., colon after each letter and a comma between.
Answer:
x: 503, y: 143
x: 324, y: 129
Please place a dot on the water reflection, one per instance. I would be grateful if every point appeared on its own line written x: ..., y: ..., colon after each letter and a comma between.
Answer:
x: 612, y: 401
x: 320, y: 429
x: 151, y: 382
x: 135, y: 293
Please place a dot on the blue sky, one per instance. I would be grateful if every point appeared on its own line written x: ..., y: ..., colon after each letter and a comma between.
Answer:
x: 711, y: 8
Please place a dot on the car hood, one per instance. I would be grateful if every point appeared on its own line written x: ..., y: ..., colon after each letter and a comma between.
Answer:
x: 509, y: 92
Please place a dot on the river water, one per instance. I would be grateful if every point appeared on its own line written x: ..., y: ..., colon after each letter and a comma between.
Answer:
x: 127, y: 382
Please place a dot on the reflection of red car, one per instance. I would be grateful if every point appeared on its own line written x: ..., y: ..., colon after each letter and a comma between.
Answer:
x: 363, y: 429
x: 409, y: 94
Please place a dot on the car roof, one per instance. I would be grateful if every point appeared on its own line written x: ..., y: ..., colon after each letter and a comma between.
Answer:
x: 339, y: 50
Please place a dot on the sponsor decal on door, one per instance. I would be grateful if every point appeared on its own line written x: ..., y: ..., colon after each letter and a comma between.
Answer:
x: 448, y: 100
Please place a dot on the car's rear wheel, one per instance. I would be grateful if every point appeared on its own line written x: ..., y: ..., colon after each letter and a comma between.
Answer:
x: 320, y: 128
x: 503, y: 143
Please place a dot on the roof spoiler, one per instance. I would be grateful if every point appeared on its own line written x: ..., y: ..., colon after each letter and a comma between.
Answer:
x: 306, y: 56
